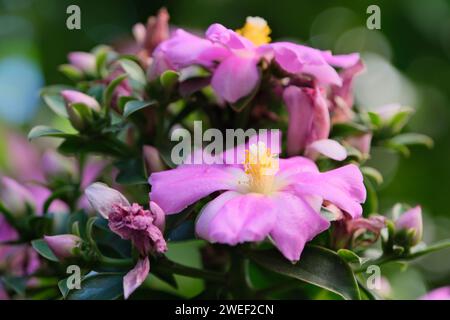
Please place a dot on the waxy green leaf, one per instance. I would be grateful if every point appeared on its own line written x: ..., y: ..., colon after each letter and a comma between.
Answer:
x: 318, y: 266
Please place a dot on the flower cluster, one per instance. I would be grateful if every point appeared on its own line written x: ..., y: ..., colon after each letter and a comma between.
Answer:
x: 308, y: 205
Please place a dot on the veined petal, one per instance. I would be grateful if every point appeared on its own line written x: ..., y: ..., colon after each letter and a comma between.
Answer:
x: 174, y: 190
x: 102, y: 198
x: 135, y: 277
x: 243, y: 218
x: 229, y: 38
x: 329, y: 148
x: 297, y: 223
x: 236, y: 76
x: 294, y: 58
x: 343, y: 187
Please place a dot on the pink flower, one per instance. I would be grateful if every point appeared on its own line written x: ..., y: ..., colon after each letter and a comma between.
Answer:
x: 442, y: 293
x: 18, y: 260
x: 411, y: 220
x: 7, y: 232
x: 233, y: 57
x: 63, y: 245
x: 263, y: 197
x: 3, y: 294
x: 131, y: 222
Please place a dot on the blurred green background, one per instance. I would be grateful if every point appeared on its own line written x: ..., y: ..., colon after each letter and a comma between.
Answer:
x: 407, y: 62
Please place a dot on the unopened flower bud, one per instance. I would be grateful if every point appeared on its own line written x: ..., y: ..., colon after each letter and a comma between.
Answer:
x: 73, y: 98
x: 63, y: 246
x: 83, y: 61
x: 411, y: 223
x: 16, y: 198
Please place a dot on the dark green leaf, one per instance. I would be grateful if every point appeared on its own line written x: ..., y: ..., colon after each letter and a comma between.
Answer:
x: 131, y: 172
x: 108, y: 93
x: 136, y: 105
x: 134, y: 70
x: 348, y: 129
x: 42, y: 248
x: 102, y: 286
x: 18, y: 284
x: 44, y: 131
x: 318, y: 266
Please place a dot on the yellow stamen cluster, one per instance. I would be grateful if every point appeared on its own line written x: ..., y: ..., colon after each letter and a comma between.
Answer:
x: 260, y: 165
x: 256, y: 30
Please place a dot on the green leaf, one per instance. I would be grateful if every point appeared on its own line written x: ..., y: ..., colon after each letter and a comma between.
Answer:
x: 318, y: 266
x: 71, y: 72
x: 134, y: 70
x: 348, y: 129
x: 400, y: 119
x: 169, y: 79
x: 349, y: 256
x: 18, y: 284
x: 44, y: 131
x: 373, y: 174
x: 411, y: 139
x: 56, y: 103
x: 136, y: 105
x: 101, y: 286
x: 42, y: 248
x: 108, y: 93
x: 375, y: 119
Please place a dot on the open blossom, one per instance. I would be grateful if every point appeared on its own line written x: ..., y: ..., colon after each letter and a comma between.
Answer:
x: 233, y: 57
x: 131, y: 222
x: 264, y: 197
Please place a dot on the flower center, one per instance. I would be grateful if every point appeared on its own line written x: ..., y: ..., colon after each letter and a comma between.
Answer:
x: 256, y: 30
x: 260, y: 165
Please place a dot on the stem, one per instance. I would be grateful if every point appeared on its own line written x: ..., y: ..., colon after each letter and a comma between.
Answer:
x: 237, y: 276
x: 380, y: 261
x: 114, y: 262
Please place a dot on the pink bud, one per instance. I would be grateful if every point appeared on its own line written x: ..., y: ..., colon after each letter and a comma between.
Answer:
x: 72, y: 96
x: 15, y: 197
x: 411, y: 220
x: 83, y: 61
x: 361, y: 142
x: 63, y: 245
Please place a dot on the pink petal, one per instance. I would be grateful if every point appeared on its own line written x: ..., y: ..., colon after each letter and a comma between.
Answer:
x: 442, y: 293
x: 7, y: 233
x: 73, y: 96
x: 135, y: 277
x: 159, y: 215
x: 342, y: 60
x: 296, y: 223
x: 343, y: 187
x: 229, y: 38
x: 174, y: 190
x: 102, y: 198
x: 91, y: 171
x: 411, y: 219
x: 297, y: 59
x: 236, y: 76
x: 248, y: 217
x: 329, y: 148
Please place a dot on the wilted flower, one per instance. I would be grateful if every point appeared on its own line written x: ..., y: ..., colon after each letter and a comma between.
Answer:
x: 64, y: 245
x: 265, y: 196
x: 131, y: 222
